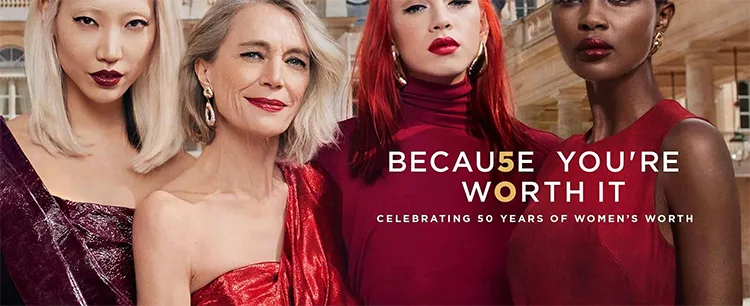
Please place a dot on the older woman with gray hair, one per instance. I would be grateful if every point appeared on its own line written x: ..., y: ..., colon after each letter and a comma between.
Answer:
x: 251, y: 222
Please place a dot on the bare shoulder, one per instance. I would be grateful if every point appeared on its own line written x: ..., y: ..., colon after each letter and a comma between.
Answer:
x: 19, y: 124
x: 702, y: 160
x: 695, y: 138
x: 39, y: 157
x: 19, y: 127
x: 162, y: 231
x: 162, y: 212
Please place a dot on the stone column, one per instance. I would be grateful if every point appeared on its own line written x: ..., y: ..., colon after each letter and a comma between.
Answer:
x: 725, y: 109
x: 699, y: 62
x: 12, y: 98
x: 569, y: 115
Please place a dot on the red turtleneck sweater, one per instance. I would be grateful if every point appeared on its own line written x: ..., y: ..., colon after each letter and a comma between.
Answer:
x: 445, y: 262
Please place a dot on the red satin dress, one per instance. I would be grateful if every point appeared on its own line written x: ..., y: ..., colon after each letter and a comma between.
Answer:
x: 597, y: 263
x: 311, y: 268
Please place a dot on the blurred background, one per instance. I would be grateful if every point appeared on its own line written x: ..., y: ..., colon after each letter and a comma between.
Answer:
x: 704, y: 64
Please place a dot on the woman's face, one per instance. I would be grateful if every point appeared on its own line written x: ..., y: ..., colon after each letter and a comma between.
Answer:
x: 104, y: 45
x: 260, y: 72
x: 605, y: 39
x: 437, y: 39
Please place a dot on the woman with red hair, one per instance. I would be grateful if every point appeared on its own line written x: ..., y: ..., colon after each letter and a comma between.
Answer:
x: 431, y: 81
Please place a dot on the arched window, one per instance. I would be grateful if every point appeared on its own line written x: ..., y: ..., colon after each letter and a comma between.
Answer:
x: 14, y: 92
x: 11, y: 57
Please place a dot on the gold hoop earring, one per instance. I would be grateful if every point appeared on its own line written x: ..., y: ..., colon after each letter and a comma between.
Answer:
x: 399, y: 71
x: 479, y: 64
x: 658, y: 42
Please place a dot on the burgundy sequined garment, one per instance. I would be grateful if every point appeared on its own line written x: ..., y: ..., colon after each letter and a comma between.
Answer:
x: 57, y: 251
x: 311, y: 266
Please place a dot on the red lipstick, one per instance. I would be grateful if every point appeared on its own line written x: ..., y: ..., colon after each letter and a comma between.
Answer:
x: 106, y: 78
x: 443, y: 46
x: 269, y: 105
x: 593, y: 49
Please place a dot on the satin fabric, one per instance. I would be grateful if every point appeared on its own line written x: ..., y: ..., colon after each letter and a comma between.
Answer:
x: 311, y: 267
x: 58, y: 251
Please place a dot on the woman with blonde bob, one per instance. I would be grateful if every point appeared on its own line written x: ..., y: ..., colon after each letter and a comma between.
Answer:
x: 250, y: 223
x: 102, y: 78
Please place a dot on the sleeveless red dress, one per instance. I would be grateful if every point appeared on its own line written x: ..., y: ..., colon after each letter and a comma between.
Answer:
x: 311, y: 270
x: 600, y: 262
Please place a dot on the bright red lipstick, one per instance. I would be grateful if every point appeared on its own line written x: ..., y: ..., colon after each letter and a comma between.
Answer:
x: 443, y: 46
x: 269, y: 105
x: 593, y: 49
x: 106, y: 78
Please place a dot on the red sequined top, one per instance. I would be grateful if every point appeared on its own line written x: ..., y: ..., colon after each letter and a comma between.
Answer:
x: 311, y: 268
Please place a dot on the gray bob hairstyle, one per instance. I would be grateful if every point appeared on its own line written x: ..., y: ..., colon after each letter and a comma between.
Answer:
x: 315, y: 124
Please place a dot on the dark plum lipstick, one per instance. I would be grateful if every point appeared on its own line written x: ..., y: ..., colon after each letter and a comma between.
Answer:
x: 106, y: 78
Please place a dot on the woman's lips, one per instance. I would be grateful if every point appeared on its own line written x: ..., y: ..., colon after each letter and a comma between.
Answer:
x: 269, y: 105
x: 593, y: 49
x: 106, y: 78
x: 443, y: 46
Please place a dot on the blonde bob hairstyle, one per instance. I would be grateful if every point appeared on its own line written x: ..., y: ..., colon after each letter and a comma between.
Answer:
x: 155, y: 99
x: 315, y: 124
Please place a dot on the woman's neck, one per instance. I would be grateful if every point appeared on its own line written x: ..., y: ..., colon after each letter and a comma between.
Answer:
x: 91, y: 121
x: 238, y: 163
x: 616, y: 104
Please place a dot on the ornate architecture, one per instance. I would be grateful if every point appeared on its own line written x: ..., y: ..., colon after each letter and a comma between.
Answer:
x: 704, y: 64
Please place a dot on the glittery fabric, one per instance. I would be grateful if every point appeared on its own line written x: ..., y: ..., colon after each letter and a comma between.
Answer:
x: 311, y: 266
x: 56, y: 251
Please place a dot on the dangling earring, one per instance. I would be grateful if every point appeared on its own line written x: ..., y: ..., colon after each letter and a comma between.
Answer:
x: 479, y: 63
x: 399, y: 71
x: 209, y: 113
x: 658, y: 42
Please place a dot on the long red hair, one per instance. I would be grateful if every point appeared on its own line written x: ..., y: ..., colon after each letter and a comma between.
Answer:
x: 378, y: 105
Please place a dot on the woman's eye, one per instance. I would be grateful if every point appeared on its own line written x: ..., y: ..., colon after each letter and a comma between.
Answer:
x: 297, y: 62
x: 414, y: 9
x: 251, y: 55
x: 459, y: 3
x: 85, y: 20
x: 138, y: 23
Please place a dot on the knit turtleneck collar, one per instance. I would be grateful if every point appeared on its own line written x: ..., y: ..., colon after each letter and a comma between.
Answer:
x: 436, y: 104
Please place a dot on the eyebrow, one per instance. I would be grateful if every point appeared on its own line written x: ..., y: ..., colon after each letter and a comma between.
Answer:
x: 265, y: 45
x: 78, y: 8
